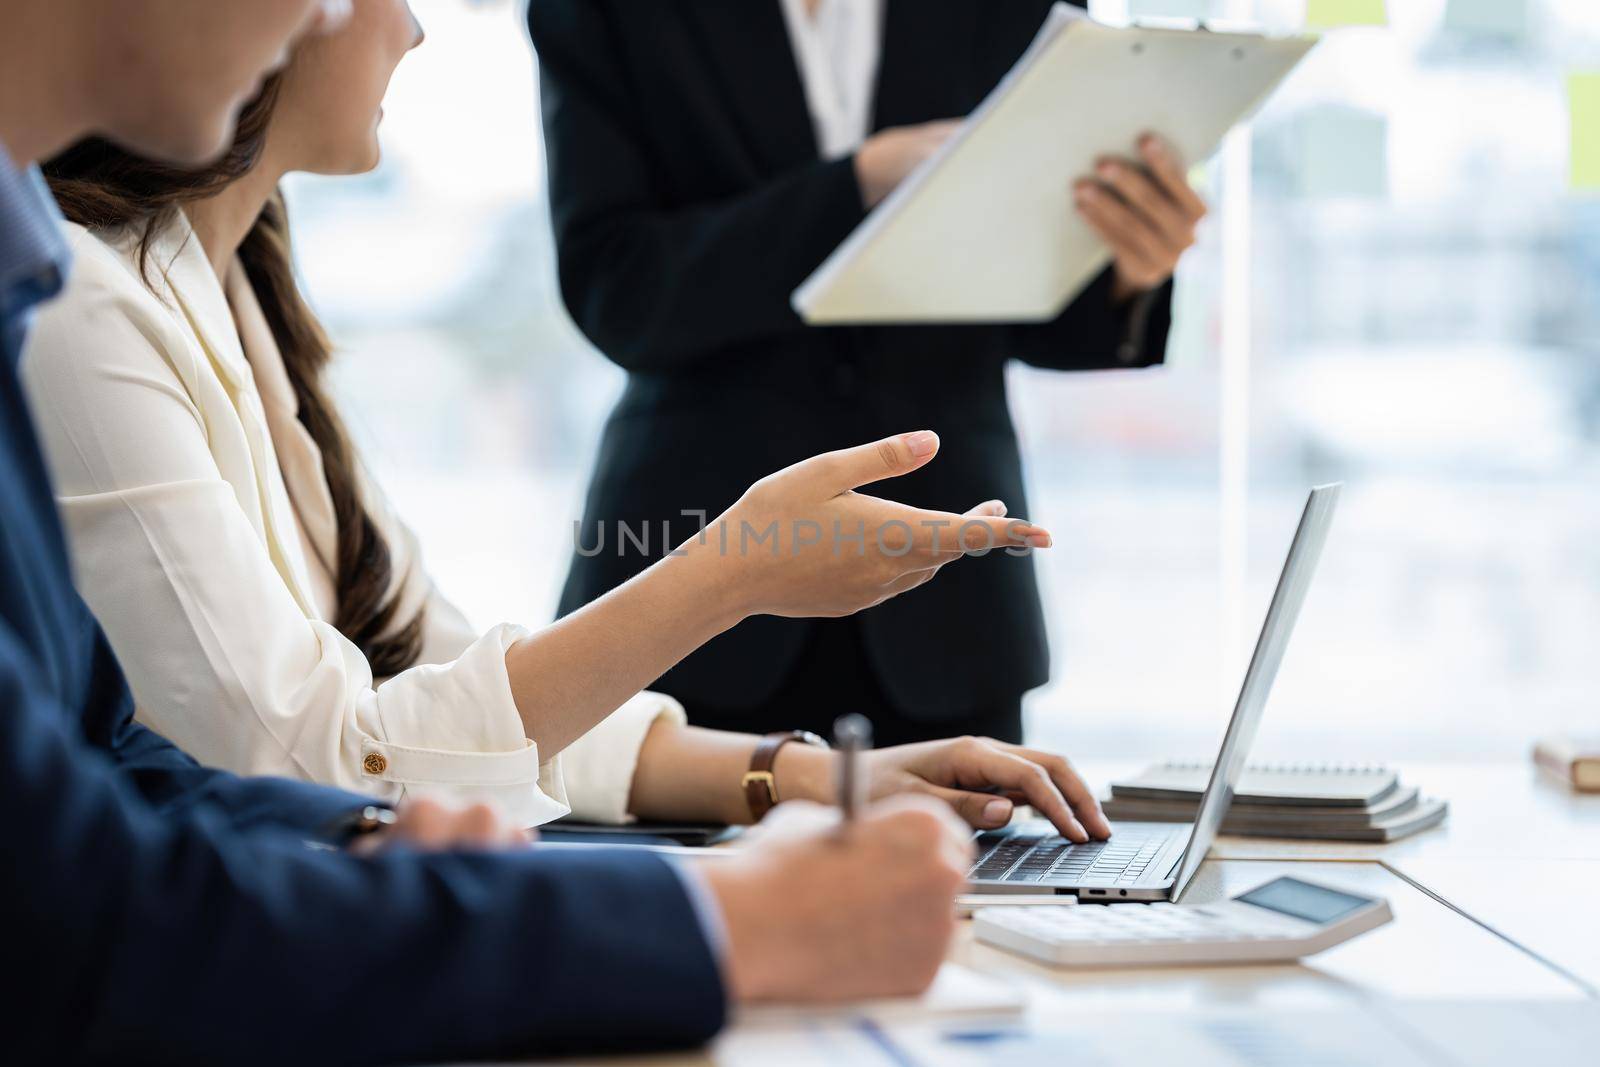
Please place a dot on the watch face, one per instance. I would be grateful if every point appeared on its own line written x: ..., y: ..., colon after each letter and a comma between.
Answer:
x: 811, y: 739
x: 373, y: 819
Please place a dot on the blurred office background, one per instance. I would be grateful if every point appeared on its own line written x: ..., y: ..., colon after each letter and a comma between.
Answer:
x: 1411, y: 303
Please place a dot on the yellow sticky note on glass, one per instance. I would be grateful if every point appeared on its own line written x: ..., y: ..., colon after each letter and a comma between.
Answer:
x: 1583, y: 107
x: 1327, y: 14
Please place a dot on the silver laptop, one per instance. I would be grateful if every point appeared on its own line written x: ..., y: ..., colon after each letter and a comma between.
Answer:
x: 1156, y: 861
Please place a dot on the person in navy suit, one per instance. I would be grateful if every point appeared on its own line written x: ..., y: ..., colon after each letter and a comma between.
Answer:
x: 164, y: 912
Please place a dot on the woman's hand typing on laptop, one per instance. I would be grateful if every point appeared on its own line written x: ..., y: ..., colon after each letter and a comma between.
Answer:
x: 981, y: 778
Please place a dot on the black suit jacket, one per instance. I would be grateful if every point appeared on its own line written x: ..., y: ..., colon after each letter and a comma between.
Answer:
x: 689, y: 201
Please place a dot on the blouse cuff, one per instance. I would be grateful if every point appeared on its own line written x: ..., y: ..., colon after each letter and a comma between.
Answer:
x: 599, y: 766
x: 477, y: 752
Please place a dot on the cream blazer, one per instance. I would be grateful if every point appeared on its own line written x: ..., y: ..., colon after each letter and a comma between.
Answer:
x: 203, y: 538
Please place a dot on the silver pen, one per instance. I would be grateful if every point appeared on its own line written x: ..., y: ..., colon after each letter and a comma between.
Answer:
x: 852, y: 735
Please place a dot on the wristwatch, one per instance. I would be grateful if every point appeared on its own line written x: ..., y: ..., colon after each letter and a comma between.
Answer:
x: 760, y: 787
x: 356, y: 824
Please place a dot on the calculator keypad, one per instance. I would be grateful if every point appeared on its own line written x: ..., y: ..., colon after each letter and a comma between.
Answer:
x: 1127, y: 922
x: 1133, y: 924
x: 1133, y: 934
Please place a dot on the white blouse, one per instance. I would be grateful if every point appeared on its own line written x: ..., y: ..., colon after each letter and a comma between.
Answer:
x: 837, y: 50
x: 203, y: 538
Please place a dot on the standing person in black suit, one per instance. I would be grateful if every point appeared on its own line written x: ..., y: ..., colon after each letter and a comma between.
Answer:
x: 705, y: 156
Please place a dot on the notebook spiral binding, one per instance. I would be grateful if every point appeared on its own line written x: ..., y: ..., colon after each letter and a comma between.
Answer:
x: 1284, y: 768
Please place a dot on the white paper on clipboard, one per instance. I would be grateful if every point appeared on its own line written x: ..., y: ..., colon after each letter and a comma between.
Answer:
x: 985, y: 230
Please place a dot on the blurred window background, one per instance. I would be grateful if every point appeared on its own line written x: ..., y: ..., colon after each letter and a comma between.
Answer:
x: 1399, y: 287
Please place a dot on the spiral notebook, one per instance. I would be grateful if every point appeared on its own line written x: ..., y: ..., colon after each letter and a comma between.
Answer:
x: 1319, y: 785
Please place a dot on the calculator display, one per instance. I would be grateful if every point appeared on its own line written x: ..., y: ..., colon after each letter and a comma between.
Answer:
x: 1302, y: 900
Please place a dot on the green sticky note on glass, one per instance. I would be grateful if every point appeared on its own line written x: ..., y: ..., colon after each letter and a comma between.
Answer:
x: 1328, y: 14
x: 1583, y: 107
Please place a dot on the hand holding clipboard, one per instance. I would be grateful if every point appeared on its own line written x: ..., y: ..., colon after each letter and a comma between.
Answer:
x: 981, y: 232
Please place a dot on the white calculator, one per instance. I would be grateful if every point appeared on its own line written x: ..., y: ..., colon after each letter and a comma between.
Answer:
x: 1285, y: 919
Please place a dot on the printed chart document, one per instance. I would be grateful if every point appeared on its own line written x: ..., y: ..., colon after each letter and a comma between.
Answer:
x: 986, y: 230
x: 1374, y: 1034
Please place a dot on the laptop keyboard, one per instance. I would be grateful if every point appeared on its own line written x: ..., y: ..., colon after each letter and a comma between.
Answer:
x: 1038, y: 858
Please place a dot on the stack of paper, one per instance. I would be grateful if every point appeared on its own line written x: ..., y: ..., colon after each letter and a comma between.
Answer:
x: 1332, y: 803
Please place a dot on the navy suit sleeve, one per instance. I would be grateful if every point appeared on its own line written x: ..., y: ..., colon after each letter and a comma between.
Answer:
x: 656, y: 287
x: 177, y: 937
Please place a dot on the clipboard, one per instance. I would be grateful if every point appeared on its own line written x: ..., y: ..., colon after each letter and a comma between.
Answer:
x: 985, y: 230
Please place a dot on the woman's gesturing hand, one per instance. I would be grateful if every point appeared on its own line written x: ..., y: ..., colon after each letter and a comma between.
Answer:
x: 1145, y: 211
x: 803, y: 542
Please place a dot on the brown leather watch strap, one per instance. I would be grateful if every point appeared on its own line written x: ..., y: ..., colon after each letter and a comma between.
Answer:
x: 760, y: 787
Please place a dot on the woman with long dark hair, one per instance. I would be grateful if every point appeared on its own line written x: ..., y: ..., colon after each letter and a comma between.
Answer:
x: 272, y: 614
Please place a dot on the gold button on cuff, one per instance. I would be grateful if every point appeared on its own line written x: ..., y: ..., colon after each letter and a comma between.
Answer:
x: 373, y: 763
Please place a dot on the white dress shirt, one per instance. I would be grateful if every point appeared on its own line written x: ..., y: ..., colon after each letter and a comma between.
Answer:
x: 203, y: 538
x: 837, y: 51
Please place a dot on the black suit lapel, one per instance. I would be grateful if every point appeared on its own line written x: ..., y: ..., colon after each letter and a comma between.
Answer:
x: 748, y: 54
x: 927, y: 69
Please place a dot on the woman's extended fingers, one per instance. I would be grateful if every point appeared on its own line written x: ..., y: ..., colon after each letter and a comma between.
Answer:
x: 1070, y: 783
x: 919, y: 539
x: 948, y: 534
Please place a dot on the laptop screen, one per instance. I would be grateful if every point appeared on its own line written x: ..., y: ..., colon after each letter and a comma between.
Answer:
x: 1270, y: 647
